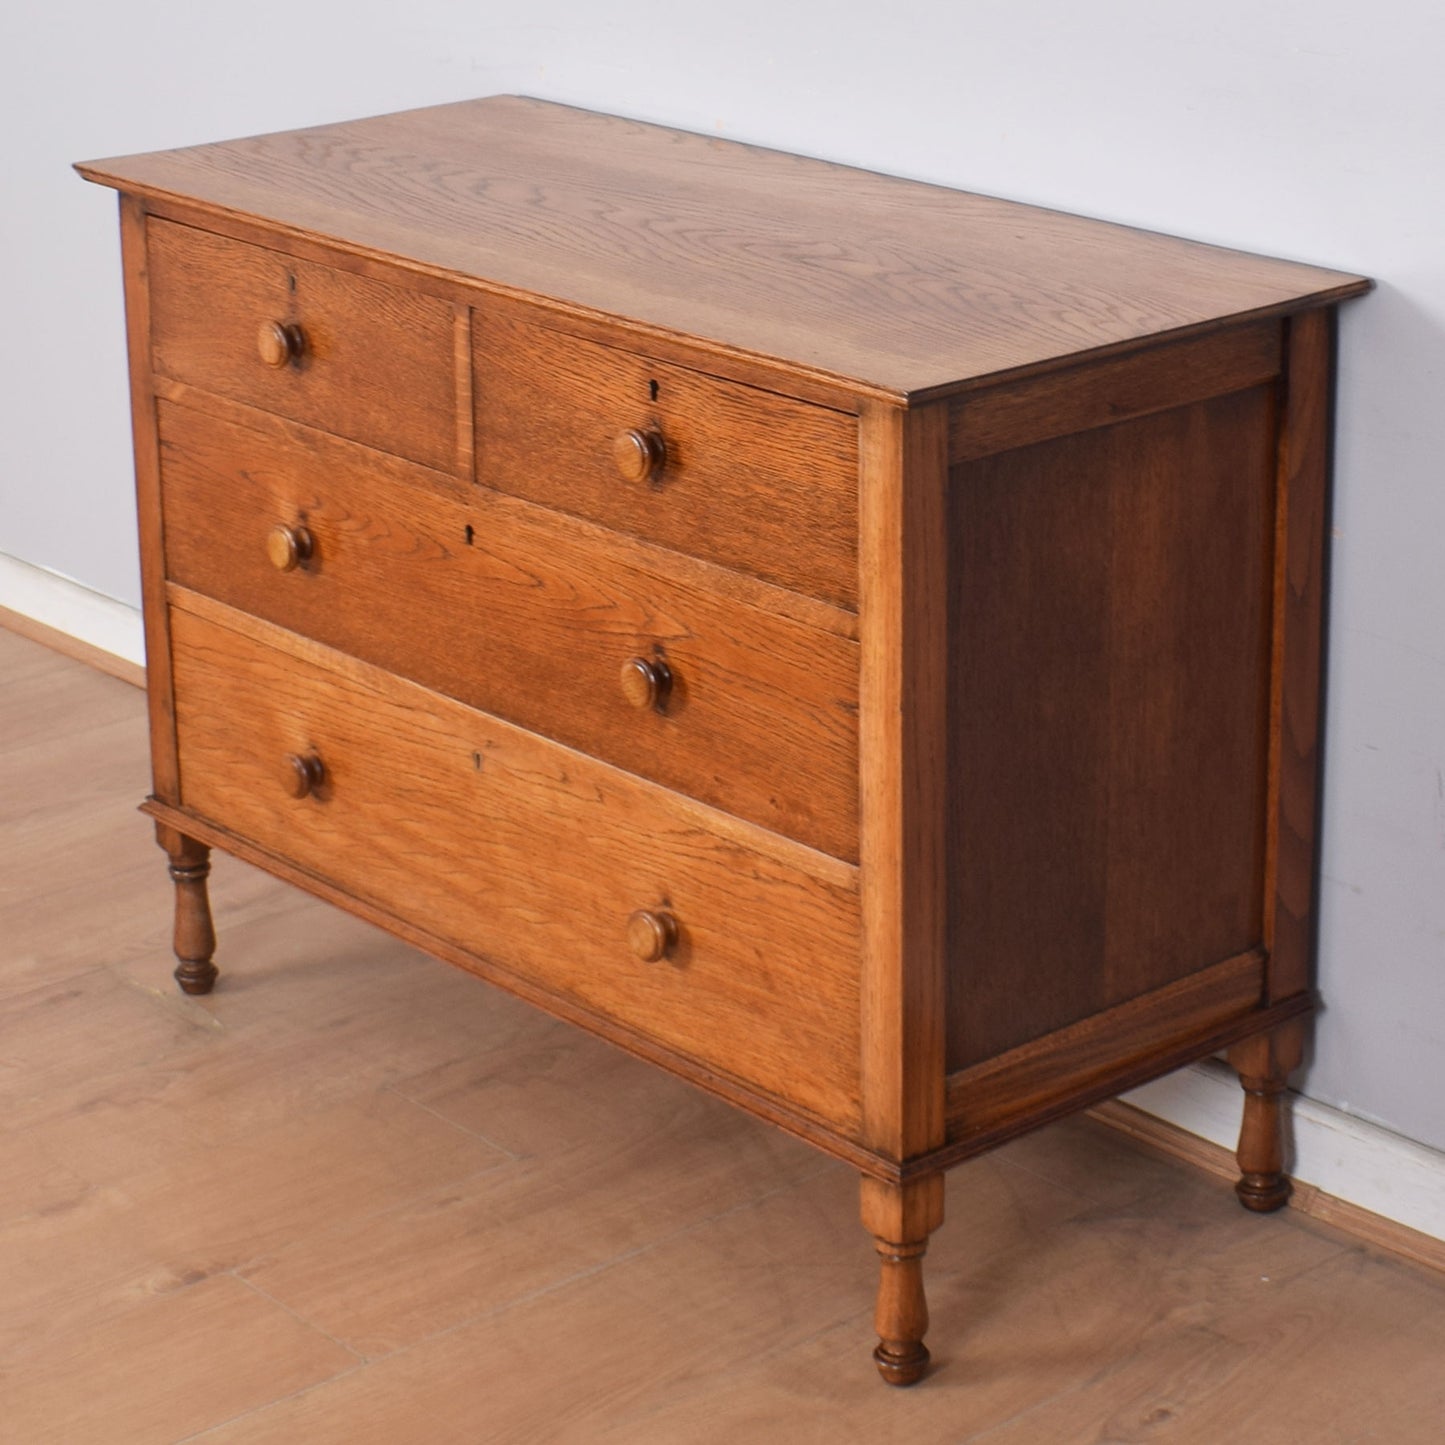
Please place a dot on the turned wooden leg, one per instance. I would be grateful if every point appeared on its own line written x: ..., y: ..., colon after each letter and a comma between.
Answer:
x: 195, y: 935
x: 900, y: 1217
x: 1265, y: 1063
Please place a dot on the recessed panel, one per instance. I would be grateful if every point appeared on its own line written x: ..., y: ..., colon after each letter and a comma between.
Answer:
x: 1109, y: 710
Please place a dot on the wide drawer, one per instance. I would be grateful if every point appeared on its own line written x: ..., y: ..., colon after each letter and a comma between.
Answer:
x: 529, y: 854
x: 757, y: 481
x: 356, y: 357
x: 536, y: 617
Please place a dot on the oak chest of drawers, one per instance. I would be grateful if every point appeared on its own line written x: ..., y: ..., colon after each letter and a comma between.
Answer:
x: 852, y: 643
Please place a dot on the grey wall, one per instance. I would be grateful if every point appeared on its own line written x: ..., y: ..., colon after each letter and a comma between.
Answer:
x: 1309, y: 128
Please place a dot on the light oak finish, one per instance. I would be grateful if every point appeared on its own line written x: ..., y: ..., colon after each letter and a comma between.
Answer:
x: 280, y: 343
x: 758, y: 983
x: 545, y: 620
x: 652, y: 934
x: 160, y: 694
x: 366, y: 360
x: 194, y: 941
x: 893, y: 287
x: 288, y: 547
x: 748, y: 478
x: 851, y: 643
x: 288, y: 1178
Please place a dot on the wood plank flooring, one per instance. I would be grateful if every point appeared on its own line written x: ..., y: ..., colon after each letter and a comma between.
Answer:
x: 356, y: 1198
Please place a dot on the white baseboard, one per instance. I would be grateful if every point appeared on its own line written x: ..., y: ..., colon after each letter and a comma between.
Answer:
x: 1343, y: 1156
x: 70, y: 607
x: 1339, y: 1154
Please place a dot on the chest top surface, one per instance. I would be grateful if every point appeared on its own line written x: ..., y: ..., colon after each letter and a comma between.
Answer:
x: 893, y: 287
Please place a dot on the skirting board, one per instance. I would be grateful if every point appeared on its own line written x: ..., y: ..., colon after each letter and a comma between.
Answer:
x: 1387, y: 1189
x: 1354, y: 1174
x: 72, y: 619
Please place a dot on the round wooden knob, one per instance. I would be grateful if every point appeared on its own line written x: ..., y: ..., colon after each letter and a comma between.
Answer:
x: 279, y: 343
x: 288, y: 547
x: 644, y: 683
x: 639, y: 454
x: 304, y: 773
x: 651, y: 935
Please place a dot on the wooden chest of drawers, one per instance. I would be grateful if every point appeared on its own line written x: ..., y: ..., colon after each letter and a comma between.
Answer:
x: 852, y: 643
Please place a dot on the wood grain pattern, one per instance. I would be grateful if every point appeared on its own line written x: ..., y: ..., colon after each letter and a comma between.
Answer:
x: 972, y: 542
x: 464, y: 292
x: 316, y: 1131
x: 1103, y: 393
x: 513, y: 610
x: 1301, y: 559
x: 763, y: 979
x: 160, y: 695
x: 1264, y: 1064
x: 1108, y: 716
x: 1018, y: 1080
x: 900, y: 1217
x: 636, y: 1041
x: 900, y: 287
x: 749, y: 479
x: 1122, y: 1064
x: 696, y: 573
x: 194, y: 934
x: 377, y: 364
x: 903, y: 738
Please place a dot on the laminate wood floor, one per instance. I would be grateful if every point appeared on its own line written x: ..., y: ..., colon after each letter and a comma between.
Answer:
x: 357, y: 1198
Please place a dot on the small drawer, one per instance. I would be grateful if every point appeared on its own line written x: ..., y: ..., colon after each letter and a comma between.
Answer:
x: 623, y: 650
x: 721, y: 942
x: 357, y: 357
x: 760, y: 482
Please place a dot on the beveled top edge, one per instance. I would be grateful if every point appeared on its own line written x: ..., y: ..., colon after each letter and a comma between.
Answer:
x: 896, y: 289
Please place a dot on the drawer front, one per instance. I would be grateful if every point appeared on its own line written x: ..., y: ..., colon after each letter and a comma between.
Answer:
x: 759, y: 482
x: 530, y: 855
x: 532, y: 616
x: 365, y: 360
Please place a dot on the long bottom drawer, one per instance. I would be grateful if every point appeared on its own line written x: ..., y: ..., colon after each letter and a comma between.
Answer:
x: 545, y: 861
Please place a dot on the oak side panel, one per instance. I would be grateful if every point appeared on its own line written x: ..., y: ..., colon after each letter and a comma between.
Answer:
x: 528, y: 852
x: 1109, y: 709
x: 1301, y: 562
x: 525, y: 613
x: 1103, y: 393
x: 160, y: 696
x: 1025, y: 1079
x: 1119, y: 1071
x: 903, y: 746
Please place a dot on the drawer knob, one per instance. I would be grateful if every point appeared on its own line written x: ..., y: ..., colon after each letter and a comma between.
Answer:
x: 279, y: 343
x: 289, y: 547
x: 639, y: 454
x: 646, y: 683
x: 651, y: 934
x: 304, y: 773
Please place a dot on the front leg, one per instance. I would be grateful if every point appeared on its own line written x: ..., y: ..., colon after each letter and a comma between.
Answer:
x: 900, y: 1217
x: 195, y: 934
x: 1264, y: 1064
